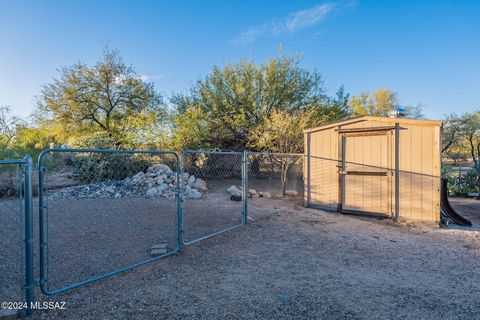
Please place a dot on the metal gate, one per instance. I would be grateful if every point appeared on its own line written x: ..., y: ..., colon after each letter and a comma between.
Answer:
x: 103, y: 212
x: 209, y: 209
x: 369, y: 170
x: 16, y: 247
x: 125, y: 202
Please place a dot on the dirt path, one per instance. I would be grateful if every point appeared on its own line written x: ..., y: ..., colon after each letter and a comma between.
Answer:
x: 299, y: 264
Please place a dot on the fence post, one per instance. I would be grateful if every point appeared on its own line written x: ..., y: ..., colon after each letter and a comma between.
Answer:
x: 180, y: 200
x: 397, y: 172
x: 245, y: 187
x: 28, y: 195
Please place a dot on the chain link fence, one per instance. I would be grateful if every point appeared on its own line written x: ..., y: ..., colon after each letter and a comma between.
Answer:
x: 213, y: 193
x: 275, y: 181
x: 12, y: 246
x: 104, y: 211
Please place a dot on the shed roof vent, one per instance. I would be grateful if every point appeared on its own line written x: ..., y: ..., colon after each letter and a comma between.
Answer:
x: 398, y: 112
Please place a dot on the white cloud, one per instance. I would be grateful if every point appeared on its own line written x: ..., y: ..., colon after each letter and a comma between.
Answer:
x: 292, y: 23
x: 146, y: 78
x: 309, y: 17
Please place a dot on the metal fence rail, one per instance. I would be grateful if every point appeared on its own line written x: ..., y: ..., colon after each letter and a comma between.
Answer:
x: 103, y: 212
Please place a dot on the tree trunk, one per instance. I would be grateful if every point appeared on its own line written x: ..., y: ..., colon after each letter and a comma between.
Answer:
x: 472, y: 151
x: 285, y: 167
x: 255, y: 167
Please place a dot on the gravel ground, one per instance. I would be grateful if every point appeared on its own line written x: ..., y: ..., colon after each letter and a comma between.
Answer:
x: 290, y: 263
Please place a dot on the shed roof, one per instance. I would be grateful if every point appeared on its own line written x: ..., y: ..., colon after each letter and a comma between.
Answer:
x: 376, y: 118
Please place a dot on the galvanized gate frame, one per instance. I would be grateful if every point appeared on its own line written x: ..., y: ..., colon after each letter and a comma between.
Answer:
x: 43, y: 210
x: 244, y: 169
x: 29, y: 285
x: 180, y: 242
x: 27, y: 164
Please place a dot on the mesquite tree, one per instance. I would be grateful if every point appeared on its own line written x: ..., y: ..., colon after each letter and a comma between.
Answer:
x: 108, y: 98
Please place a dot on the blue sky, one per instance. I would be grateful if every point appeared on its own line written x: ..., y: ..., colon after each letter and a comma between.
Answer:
x: 426, y: 51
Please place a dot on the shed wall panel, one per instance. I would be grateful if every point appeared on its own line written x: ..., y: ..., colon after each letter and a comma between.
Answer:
x: 420, y: 168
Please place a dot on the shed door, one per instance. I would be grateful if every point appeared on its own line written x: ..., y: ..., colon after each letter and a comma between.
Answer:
x: 366, y: 174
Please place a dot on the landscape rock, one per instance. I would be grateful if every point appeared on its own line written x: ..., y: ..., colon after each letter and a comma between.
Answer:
x: 200, y: 185
x: 152, y: 192
x: 191, y: 193
x: 163, y: 245
x: 159, y: 181
x: 234, y: 191
x: 252, y: 192
x: 265, y: 194
x: 191, y: 180
x: 236, y: 197
x: 291, y: 193
x: 158, y: 252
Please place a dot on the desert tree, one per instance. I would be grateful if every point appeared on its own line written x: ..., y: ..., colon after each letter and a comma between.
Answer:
x: 469, y: 130
x: 281, y: 133
x: 379, y: 103
x: 232, y: 101
x: 451, y: 137
x: 9, y: 126
x: 108, y: 97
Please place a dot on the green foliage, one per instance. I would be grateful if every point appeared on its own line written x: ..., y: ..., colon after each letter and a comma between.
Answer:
x: 109, y: 97
x: 452, y: 143
x: 17, y: 138
x: 97, y: 167
x: 461, y: 136
x: 8, y: 127
x: 461, y: 186
x: 191, y: 130
x: 281, y: 132
x: 225, y: 108
x: 96, y: 140
x: 379, y: 103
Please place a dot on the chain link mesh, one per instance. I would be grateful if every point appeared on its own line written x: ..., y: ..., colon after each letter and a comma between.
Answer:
x: 12, y: 246
x: 274, y: 181
x: 322, y: 182
x: 106, y: 210
x: 218, y: 205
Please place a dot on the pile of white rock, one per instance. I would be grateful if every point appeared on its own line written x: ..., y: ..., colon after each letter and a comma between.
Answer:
x: 159, y: 181
x: 236, y: 193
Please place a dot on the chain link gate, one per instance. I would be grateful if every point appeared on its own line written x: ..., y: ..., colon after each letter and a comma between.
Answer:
x: 16, y: 230
x: 215, y: 193
x: 103, y: 212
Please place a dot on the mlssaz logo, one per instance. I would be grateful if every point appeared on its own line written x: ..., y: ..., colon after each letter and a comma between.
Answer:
x: 48, y: 305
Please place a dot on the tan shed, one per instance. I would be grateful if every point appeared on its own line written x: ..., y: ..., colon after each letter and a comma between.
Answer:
x: 375, y: 165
